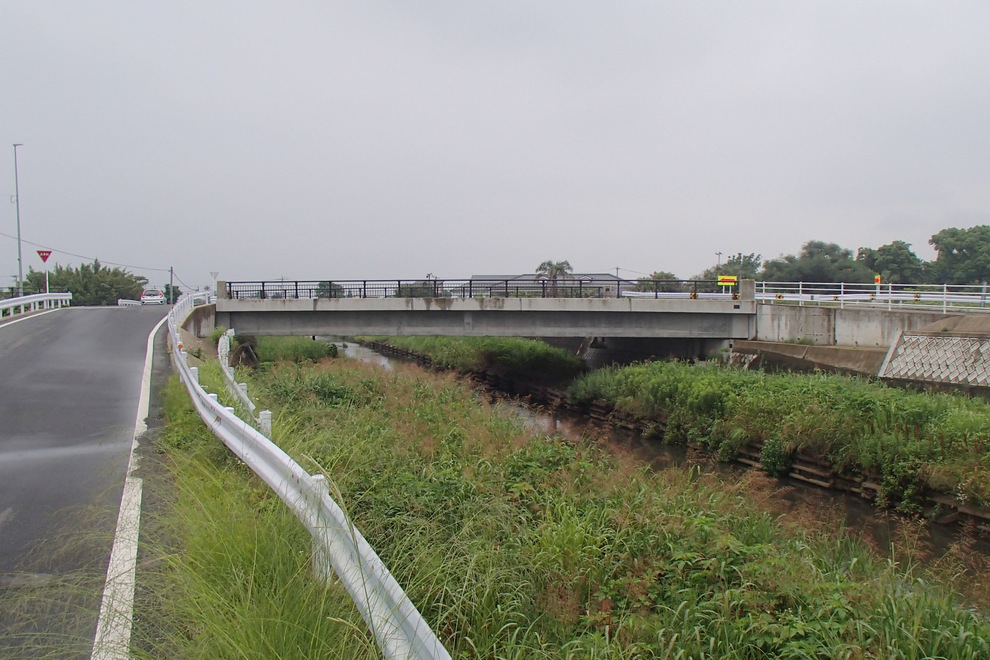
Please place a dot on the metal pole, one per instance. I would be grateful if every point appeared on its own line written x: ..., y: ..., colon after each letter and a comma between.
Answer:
x: 171, y: 287
x: 17, y: 201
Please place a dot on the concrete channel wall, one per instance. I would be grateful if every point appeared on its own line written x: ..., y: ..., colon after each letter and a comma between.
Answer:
x: 835, y: 326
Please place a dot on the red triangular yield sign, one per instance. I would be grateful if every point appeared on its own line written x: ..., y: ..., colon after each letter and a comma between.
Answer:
x: 44, y: 254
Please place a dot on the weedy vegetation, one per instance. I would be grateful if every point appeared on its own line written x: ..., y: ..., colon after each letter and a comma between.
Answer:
x: 914, y: 442
x: 520, y: 545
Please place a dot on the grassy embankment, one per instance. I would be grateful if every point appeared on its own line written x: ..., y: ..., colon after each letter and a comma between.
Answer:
x: 914, y: 442
x: 517, y: 545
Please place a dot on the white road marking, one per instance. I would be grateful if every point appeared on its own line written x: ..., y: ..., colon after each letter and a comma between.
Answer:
x: 113, y: 630
x: 4, y: 324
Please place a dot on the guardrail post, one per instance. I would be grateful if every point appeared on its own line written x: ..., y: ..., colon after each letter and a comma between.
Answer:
x: 194, y: 372
x: 213, y: 396
x: 321, y: 558
x: 243, y: 387
x: 265, y: 422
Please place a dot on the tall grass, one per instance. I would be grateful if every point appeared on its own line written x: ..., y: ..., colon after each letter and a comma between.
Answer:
x: 294, y: 349
x: 230, y: 573
x: 517, y: 545
x: 913, y: 441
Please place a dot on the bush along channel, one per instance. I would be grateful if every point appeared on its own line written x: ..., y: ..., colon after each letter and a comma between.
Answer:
x: 925, y: 454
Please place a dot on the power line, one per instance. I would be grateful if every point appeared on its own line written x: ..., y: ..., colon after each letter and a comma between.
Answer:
x: 81, y: 256
x: 180, y: 281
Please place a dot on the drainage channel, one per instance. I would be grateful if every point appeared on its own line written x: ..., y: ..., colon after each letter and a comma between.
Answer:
x: 799, y: 496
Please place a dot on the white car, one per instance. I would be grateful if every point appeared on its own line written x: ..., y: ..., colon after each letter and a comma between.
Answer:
x: 152, y: 297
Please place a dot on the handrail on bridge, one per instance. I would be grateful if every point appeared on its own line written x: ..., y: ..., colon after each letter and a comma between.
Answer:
x: 959, y: 298
x: 565, y: 287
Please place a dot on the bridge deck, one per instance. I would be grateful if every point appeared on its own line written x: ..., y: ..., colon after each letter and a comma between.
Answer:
x: 518, y: 317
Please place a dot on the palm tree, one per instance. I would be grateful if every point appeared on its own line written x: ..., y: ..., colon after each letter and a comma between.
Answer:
x: 552, y: 271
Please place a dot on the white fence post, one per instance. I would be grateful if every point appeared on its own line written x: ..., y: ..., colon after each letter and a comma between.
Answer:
x: 322, y: 568
x: 265, y: 422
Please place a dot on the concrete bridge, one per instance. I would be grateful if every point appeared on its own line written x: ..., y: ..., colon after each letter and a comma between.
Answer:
x: 901, y: 332
x: 470, y: 309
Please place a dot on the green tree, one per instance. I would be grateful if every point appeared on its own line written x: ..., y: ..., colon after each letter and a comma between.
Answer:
x: 743, y: 266
x: 818, y: 262
x: 90, y: 284
x: 660, y: 281
x: 552, y: 272
x: 172, y: 293
x: 329, y: 290
x: 962, y: 255
x: 894, y: 262
x: 431, y: 287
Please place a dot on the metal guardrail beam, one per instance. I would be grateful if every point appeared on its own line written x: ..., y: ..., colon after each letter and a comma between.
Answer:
x: 34, y: 302
x: 400, y: 631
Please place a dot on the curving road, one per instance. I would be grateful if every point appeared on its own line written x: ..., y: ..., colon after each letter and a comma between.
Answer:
x: 70, y: 380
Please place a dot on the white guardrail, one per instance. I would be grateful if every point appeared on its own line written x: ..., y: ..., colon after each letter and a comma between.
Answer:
x: 33, y: 303
x: 400, y: 631
x: 947, y: 298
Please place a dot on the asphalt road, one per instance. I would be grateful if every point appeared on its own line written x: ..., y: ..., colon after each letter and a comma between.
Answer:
x: 69, y: 387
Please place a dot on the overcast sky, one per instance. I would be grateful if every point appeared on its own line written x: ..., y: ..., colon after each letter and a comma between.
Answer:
x: 377, y: 139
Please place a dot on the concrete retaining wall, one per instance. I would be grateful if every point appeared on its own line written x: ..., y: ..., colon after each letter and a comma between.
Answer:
x: 834, y: 326
x: 201, y: 320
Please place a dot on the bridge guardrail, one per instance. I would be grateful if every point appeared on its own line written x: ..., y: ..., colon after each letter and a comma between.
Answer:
x: 954, y: 298
x: 34, y: 302
x: 576, y: 287
x: 400, y: 631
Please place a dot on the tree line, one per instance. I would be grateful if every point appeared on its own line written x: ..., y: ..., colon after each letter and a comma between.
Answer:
x: 962, y: 257
x: 90, y: 284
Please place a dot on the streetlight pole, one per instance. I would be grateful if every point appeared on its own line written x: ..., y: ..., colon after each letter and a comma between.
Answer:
x: 17, y: 201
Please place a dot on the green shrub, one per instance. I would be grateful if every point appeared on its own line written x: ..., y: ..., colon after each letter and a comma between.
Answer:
x: 216, y: 334
x: 293, y: 349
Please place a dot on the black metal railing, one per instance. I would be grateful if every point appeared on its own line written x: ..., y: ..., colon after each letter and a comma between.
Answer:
x: 576, y: 287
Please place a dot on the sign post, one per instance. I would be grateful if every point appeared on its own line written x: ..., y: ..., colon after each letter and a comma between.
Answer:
x: 44, y: 254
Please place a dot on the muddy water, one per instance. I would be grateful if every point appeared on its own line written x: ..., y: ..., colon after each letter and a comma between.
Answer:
x: 797, y: 497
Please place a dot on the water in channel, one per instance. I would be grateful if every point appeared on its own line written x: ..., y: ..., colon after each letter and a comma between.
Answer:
x: 858, y: 515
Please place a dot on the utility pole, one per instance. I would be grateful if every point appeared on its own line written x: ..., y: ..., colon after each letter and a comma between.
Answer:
x: 17, y: 201
x: 718, y: 263
x: 171, y: 286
